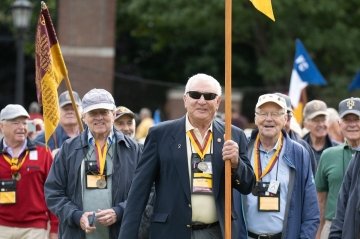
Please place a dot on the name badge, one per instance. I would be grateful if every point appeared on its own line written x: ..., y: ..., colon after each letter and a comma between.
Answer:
x: 268, y: 194
x: 33, y: 155
x: 268, y: 203
x: 201, y: 175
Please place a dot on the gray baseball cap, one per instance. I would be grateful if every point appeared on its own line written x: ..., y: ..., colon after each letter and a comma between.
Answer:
x: 314, y: 108
x: 13, y: 111
x: 98, y: 99
x: 64, y: 98
x: 349, y: 106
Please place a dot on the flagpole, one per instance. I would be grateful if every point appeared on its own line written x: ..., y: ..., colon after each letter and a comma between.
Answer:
x: 228, y: 30
x: 68, y: 86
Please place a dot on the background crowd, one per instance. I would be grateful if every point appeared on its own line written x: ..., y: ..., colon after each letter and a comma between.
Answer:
x: 125, y: 176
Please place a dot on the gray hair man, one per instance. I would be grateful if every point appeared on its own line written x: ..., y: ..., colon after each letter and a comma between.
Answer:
x: 24, y: 167
x: 185, y: 159
x: 334, y: 162
x: 315, y: 120
x: 68, y: 126
x: 283, y: 173
x: 92, y: 173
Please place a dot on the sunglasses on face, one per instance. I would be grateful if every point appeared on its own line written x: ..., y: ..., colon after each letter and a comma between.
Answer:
x: 197, y: 95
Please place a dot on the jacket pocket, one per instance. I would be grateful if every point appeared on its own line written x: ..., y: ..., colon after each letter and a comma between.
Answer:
x: 159, y: 217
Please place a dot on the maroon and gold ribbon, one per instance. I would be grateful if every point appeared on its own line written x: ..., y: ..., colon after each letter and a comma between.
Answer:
x: 257, y: 163
x: 200, y: 149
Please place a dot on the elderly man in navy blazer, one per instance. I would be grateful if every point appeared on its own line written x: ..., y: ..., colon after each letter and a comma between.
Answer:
x: 185, y: 158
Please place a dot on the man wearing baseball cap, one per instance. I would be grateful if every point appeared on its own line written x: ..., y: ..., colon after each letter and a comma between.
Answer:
x: 68, y: 125
x: 24, y: 166
x: 283, y: 174
x: 92, y: 173
x: 315, y: 120
x: 125, y: 121
x: 334, y: 162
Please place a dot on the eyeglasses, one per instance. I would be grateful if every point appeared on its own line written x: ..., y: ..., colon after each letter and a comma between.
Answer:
x: 197, y: 95
x: 271, y: 114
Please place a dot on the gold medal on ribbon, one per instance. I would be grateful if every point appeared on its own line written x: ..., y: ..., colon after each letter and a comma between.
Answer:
x: 101, y: 158
x: 15, y: 165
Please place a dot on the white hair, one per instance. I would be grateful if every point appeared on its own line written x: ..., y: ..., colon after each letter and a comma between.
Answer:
x: 333, y: 115
x: 202, y: 76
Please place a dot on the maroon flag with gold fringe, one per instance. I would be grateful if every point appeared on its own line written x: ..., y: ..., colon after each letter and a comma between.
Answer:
x: 50, y: 70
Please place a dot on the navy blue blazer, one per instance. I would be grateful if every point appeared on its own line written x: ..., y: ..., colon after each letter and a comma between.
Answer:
x: 164, y: 161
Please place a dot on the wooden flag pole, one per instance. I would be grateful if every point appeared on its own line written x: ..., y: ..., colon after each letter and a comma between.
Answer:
x: 228, y: 30
x: 68, y: 86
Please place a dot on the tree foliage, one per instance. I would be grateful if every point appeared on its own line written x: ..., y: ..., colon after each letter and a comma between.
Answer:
x: 174, y: 39
x: 168, y: 41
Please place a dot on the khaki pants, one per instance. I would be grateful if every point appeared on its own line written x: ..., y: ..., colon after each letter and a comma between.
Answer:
x: 325, y: 230
x: 22, y: 233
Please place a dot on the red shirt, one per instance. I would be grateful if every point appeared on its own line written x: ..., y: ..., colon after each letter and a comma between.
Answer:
x: 30, y: 210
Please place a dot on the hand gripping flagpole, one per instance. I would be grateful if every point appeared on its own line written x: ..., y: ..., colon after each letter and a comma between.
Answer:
x: 228, y: 30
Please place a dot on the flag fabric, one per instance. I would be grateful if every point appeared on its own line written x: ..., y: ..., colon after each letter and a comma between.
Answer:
x: 50, y: 70
x: 265, y: 7
x: 157, y: 116
x: 355, y: 84
x: 304, y: 73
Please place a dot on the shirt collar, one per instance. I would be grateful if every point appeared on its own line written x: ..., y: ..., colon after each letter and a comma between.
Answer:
x: 9, y: 150
x: 273, y: 149
x: 110, y: 138
x: 189, y: 126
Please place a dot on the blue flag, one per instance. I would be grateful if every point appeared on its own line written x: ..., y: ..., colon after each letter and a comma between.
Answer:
x: 304, y: 73
x: 355, y: 84
x: 305, y: 67
x: 157, y: 116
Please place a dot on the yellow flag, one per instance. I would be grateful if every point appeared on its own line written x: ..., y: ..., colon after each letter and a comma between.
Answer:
x: 298, y: 112
x: 50, y: 70
x: 265, y: 7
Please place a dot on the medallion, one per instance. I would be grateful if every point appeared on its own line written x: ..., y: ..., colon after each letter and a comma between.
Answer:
x: 101, y: 183
x: 16, y: 176
x: 202, y: 166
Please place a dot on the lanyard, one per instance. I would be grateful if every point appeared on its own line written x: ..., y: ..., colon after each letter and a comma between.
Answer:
x: 200, y: 150
x: 14, y: 163
x: 100, y: 154
x: 257, y: 163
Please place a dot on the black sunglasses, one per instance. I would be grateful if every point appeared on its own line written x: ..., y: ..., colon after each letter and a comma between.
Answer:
x: 197, y: 95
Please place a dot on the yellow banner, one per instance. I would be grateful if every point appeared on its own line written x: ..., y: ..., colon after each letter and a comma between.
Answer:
x: 50, y: 70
